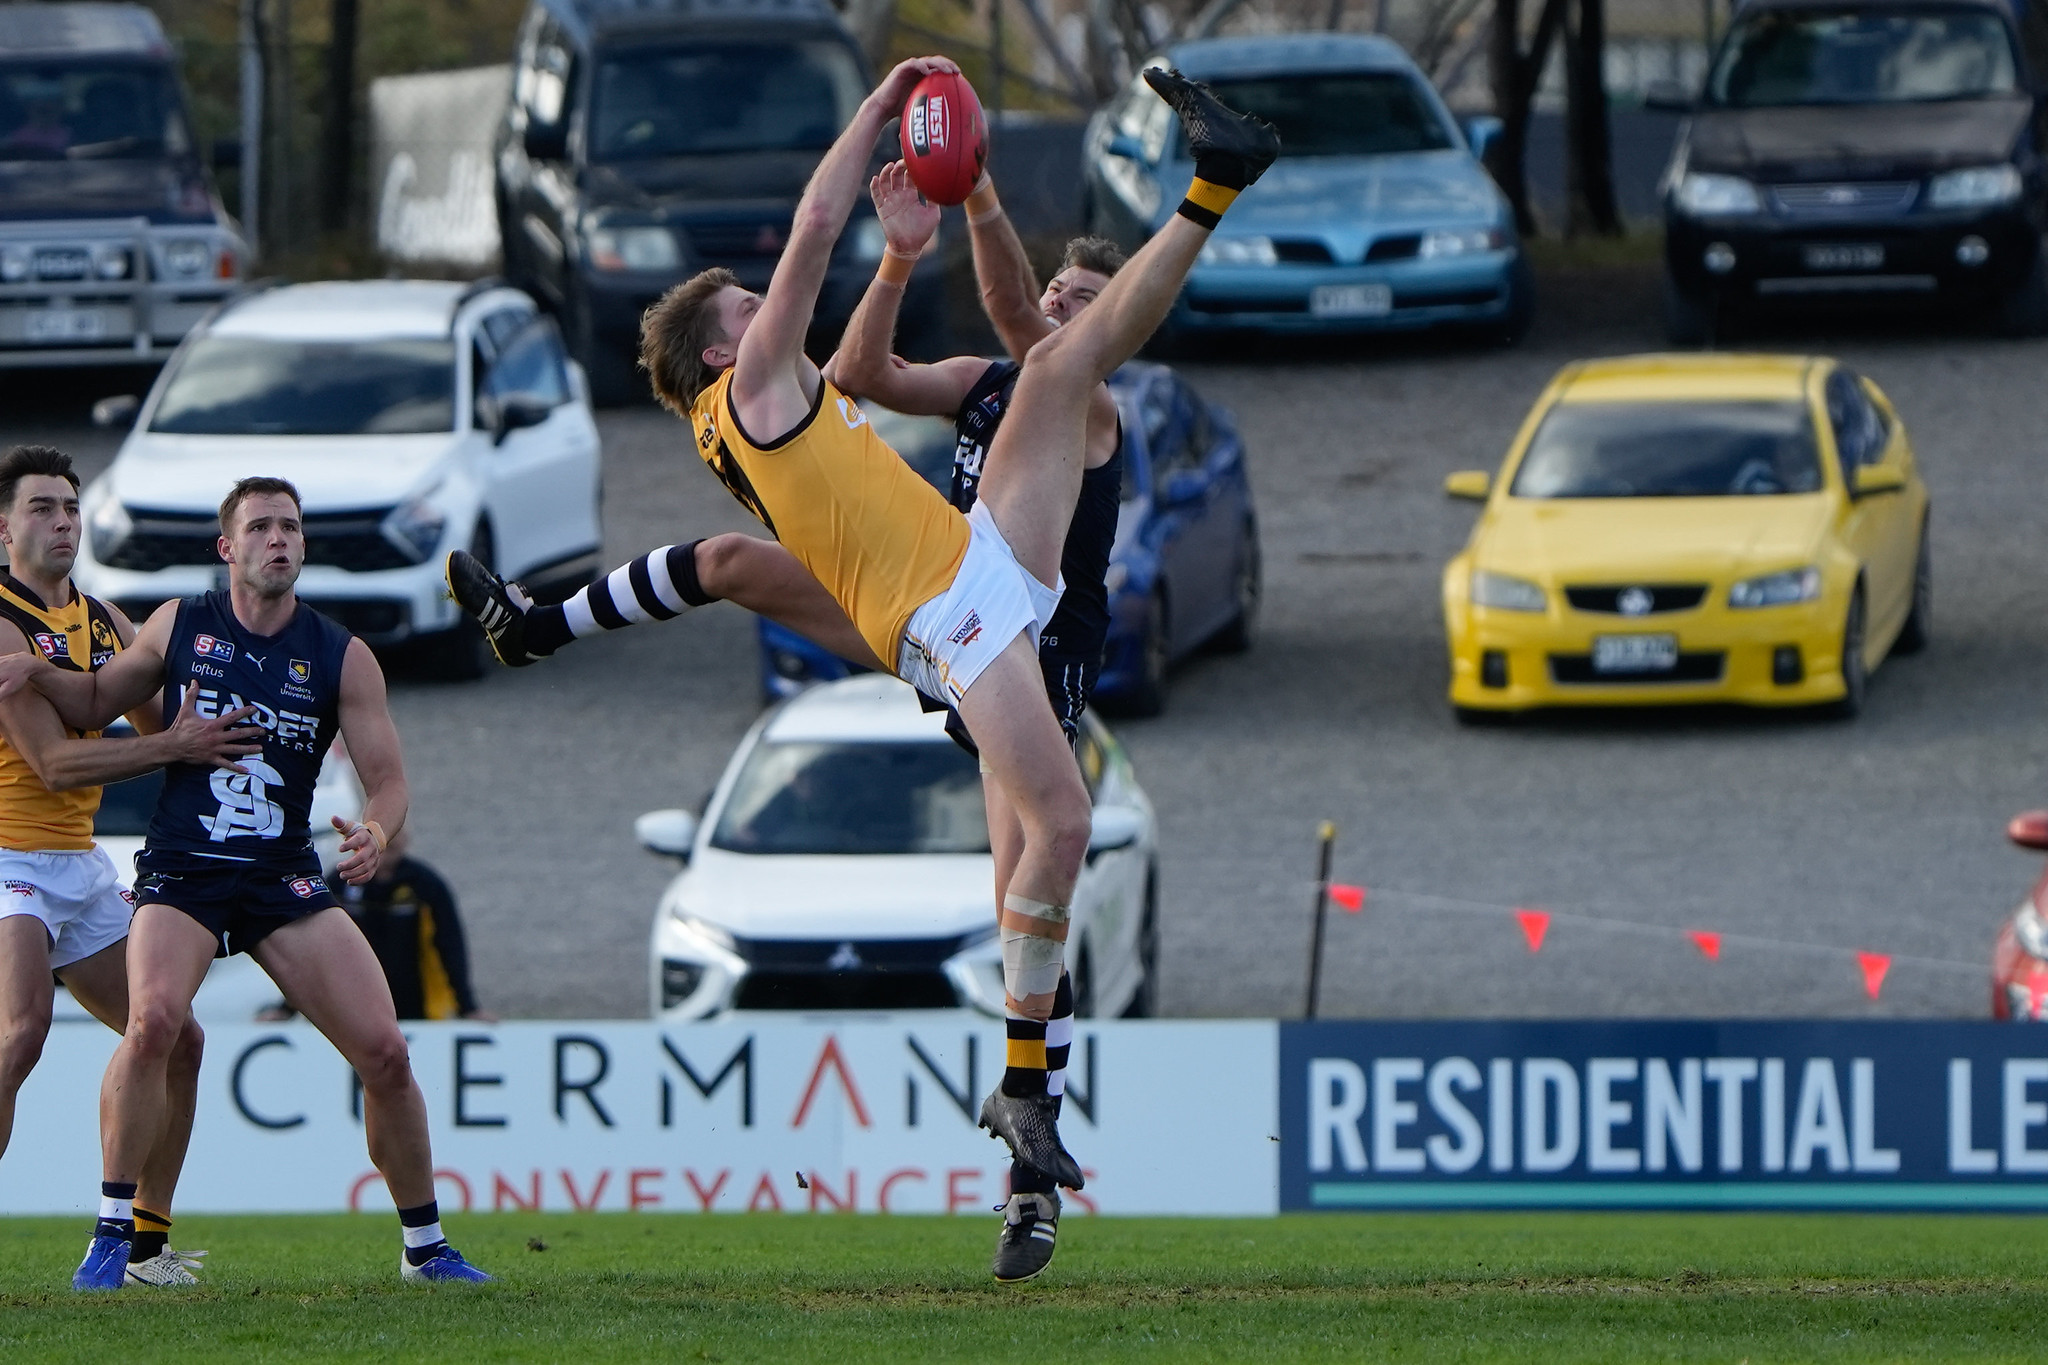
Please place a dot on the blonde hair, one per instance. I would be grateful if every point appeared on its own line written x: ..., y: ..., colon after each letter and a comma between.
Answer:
x: 674, y: 333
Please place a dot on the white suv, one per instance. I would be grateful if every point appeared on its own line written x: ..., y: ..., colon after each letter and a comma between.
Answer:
x: 415, y: 417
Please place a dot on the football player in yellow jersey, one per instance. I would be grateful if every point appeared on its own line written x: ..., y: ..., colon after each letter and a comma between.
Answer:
x: 63, y: 905
x: 949, y: 603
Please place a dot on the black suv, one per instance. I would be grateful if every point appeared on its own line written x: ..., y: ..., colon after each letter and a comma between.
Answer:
x: 649, y: 139
x: 1862, y: 148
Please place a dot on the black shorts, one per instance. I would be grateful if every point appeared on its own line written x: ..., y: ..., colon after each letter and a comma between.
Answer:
x: 240, y: 904
x: 1069, y: 681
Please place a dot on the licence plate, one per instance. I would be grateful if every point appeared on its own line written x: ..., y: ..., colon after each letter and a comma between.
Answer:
x: 66, y: 324
x: 1351, y: 300
x: 1635, y: 653
x: 1850, y: 257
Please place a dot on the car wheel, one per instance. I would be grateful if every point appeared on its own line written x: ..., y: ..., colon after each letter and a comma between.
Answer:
x: 1236, y: 637
x: 1148, y: 696
x: 2024, y: 312
x: 1855, y: 678
x: 1145, y: 1000
x: 1513, y: 325
x: 1083, y: 981
x: 461, y: 654
x: 613, y: 378
x: 1919, y: 627
x: 1688, y: 319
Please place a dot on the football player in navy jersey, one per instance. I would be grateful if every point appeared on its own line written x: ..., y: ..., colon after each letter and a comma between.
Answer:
x: 229, y: 865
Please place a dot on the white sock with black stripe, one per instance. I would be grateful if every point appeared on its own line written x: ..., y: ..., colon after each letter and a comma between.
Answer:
x: 659, y: 586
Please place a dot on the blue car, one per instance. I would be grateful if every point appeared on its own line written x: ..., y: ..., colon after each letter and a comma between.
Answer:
x: 1377, y: 216
x: 1184, y: 573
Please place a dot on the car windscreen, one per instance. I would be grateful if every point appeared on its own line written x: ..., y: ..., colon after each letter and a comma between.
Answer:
x: 1365, y: 113
x: 1670, y: 450
x: 833, y: 797
x: 89, y: 112
x: 713, y: 98
x: 256, y: 386
x: 1878, y: 56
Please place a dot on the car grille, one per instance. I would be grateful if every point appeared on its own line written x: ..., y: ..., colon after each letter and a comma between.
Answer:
x: 846, y: 974
x: 1302, y: 252
x: 1845, y: 199
x: 1663, y: 597
x: 1400, y: 248
x: 1577, y: 669
x: 754, y: 239
x: 352, y: 541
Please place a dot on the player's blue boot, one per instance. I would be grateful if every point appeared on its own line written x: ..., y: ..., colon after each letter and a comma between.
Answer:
x: 105, y: 1265
x: 446, y: 1267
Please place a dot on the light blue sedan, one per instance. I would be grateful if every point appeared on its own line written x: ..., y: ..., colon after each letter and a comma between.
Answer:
x: 1377, y: 216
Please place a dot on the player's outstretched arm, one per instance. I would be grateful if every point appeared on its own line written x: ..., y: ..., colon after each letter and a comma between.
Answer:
x: 90, y: 701
x: 1009, y: 287
x: 772, y: 382
x: 864, y: 365
x: 65, y: 761
x: 372, y: 740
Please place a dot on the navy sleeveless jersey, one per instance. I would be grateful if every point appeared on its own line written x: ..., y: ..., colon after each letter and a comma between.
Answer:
x: 293, y: 679
x: 1081, y: 624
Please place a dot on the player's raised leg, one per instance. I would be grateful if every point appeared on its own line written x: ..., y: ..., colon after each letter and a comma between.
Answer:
x: 100, y: 984
x: 325, y: 967
x: 168, y: 954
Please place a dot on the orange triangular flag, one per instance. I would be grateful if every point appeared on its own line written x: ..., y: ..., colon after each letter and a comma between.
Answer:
x: 1535, y: 923
x: 1709, y: 942
x: 1352, y: 898
x: 1875, y: 965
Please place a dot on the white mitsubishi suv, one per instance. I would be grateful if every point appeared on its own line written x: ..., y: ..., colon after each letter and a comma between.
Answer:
x: 414, y: 416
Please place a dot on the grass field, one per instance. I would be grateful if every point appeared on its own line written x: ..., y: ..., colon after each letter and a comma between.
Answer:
x: 1460, y: 1287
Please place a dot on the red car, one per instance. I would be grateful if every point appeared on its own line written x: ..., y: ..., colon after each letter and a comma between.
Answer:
x: 2019, y: 964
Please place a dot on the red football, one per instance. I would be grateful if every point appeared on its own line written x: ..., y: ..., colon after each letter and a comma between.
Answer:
x: 945, y: 138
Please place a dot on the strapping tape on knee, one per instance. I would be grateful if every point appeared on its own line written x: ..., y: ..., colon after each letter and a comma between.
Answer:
x: 1024, y: 905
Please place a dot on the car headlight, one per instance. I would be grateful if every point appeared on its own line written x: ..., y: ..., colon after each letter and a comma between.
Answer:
x: 187, y: 257
x: 109, y: 525
x: 1457, y: 242
x: 1712, y: 196
x: 13, y: 264
x: 1974, y: 187
x: 634, y: 248
x: 1507, y: 593
x: 2030, y: 931
x: 704, y: 929
x: 110, y: 262
x: 416, y: 528
x: 1238, y: 251
x: 868, y: 240
x: 1777, y: 589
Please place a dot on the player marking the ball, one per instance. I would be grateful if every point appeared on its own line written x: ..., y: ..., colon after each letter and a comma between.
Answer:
x: 955, y: 603
x: 229, y: 866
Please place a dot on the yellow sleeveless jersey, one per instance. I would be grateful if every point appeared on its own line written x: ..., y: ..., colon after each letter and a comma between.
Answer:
x: 881, y: 539
x: 79, y: 636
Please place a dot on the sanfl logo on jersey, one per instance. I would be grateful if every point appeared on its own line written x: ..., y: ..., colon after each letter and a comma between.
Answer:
x: 854, y: 418
x: 210, y: 647
x: 53, y: 647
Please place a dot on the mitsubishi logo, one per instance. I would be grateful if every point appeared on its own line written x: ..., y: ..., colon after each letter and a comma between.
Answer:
x: 1634, y: 602
x: 845, y: 959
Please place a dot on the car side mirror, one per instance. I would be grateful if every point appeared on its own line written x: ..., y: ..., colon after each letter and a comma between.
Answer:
x: 117, y: 411
x: 545, y: 141
x: 1481, y: 131
x: 1471, y: 484
x: 511, y: 413
x: 1114, y: 827
x: 1125, y: 146
x: 1877, y: 478
x: 2029, y: 830
x: 671, y: 833
x: 1668, y: 97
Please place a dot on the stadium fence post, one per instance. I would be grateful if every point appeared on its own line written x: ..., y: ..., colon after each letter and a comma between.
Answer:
x: 1328, y: 835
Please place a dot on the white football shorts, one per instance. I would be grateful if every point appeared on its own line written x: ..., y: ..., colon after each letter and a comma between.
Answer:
x: 952, y: 638
x: 76, y: 893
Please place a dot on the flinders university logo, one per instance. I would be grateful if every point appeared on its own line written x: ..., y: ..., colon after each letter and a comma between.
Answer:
x: 299, y: 671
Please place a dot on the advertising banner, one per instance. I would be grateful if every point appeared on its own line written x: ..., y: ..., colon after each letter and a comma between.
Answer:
x: 789, y: 1115
x: 430, y: 163
x: 1764, y: 1114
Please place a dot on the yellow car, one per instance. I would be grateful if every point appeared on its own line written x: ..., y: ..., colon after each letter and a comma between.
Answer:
x: 1691, y: 528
